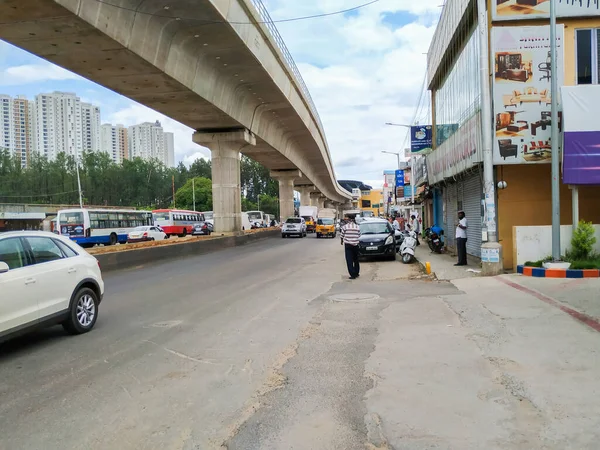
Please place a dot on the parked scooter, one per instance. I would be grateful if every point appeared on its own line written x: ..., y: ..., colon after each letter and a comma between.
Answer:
x: 407, y: 249
x: 435, y: 242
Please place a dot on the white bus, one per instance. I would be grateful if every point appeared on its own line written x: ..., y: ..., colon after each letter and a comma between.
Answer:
x: 88, y: 227
x: 257, y: 219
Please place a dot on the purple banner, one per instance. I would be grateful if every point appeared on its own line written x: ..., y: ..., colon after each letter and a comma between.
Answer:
x: 581, y: 159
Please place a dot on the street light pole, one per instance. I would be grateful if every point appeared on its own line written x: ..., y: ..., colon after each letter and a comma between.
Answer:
x: 554, y: 137
x: 395, y: 189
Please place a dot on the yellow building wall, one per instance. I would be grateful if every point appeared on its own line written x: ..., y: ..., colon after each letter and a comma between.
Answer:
x: 527, y: 200
x: 376, y: 197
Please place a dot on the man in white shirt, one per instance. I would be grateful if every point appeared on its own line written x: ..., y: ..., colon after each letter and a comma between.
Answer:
x: 461, y: 239
x: 415, y: 226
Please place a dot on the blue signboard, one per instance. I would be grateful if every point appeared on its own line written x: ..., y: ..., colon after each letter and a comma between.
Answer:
x: 399, y: 178
x: 420, y: 138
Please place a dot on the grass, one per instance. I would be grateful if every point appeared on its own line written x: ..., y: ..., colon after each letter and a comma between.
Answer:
x: 591, y: 263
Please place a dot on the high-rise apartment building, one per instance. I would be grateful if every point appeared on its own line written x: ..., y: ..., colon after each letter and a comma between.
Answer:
x: 146, y: 141
x: 63, y: 124
x: 169, y: 149
x: 113, y: 140
x: 16, y: 127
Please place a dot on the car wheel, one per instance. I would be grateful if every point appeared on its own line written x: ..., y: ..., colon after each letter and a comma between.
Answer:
x: 112, y: 240
x: 83, y: 312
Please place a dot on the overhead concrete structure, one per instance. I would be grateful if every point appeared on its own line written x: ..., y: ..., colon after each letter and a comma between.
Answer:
x: 216, y: 66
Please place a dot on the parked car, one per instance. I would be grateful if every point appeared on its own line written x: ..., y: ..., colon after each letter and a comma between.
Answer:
x: 146, y: 233
x: 294, y: 226
x: 201, y: 229
x: 46, y: 279
x: 377, y: 238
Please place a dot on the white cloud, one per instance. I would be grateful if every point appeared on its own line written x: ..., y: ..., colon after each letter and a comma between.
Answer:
x: 35, y: 73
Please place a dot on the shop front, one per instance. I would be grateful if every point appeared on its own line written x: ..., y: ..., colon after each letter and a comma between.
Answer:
x: 16, y: 221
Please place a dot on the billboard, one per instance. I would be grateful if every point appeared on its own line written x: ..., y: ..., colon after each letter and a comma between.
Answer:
x: 521, y: 91
x: 581, y: 154
x: 420, y: 138
x: 540, y: 9
x: 400, y: 178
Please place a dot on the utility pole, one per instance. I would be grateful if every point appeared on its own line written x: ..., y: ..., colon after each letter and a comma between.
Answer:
x: 554, y: 137
x: 173, y: 187
x: 491, y: 251
x: 79, y: 182
x: 194, y: 193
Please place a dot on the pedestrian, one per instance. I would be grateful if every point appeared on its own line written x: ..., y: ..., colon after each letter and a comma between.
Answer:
x: 415, y: 226
x: 350, y: 234
x: 401, y: 223
x: 461, y: 239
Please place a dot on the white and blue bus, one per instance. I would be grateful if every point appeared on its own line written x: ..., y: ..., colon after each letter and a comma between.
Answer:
x: 88, y: 227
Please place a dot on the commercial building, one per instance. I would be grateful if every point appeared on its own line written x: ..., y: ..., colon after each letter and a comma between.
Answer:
x: 520, y: 74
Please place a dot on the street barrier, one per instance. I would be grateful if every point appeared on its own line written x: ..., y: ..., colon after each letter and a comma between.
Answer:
x: 149, y: 255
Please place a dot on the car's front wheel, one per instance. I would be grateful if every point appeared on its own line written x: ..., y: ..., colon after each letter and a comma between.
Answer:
x: 83, y: 312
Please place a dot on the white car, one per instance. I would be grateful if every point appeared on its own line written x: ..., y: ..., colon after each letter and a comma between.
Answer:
x: 294, y: 226
x: 46, y: 279
x: 146, y: 233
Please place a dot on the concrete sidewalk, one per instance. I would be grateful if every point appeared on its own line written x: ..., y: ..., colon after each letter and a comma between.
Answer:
x: 443, y: 264
x: 505, y: 364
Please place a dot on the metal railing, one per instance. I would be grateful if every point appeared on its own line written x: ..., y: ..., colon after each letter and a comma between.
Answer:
x: 268, y: 22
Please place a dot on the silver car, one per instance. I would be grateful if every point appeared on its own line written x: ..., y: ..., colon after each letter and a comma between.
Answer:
x: 294, y: 226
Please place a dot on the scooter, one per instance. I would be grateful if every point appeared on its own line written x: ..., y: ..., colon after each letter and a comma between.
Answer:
x: 407, y: 249
x: 435, y: 242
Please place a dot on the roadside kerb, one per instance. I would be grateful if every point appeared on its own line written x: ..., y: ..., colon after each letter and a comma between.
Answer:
x: 136, y: 257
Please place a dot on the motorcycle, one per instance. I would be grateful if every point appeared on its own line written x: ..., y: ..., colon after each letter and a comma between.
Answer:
x: 407, y: 248
x: 435, y: 242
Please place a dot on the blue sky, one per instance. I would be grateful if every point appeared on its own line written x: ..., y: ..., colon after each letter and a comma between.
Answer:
x: 363, y: 68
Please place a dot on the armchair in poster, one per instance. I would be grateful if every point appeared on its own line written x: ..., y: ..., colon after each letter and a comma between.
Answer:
x: 521, y: 89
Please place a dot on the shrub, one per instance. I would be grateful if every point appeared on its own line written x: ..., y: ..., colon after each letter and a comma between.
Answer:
x: 582, y: 243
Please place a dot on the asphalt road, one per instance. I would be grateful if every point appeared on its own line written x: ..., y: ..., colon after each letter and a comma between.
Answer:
x: 183, y: 355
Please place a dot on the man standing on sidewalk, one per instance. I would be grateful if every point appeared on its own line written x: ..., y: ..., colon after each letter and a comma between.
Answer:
x: 461, y: 239
x: 350, y: 235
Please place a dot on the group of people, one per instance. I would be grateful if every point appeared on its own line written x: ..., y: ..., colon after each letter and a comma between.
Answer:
x: 350, y: 232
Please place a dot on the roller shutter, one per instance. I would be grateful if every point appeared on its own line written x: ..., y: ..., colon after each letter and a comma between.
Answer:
x: 472, y: 192
x: 450, y: 209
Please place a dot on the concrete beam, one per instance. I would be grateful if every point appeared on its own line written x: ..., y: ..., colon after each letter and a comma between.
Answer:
x: 286, y: 191
x: 226, y: 175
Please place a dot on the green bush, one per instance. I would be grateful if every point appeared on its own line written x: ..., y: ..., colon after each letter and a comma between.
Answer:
x: 588, y: 264
x: 582, y: 243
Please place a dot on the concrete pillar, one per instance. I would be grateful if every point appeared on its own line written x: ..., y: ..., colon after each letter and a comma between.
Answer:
x: 321, y: 202
x: 305, y: 195
x: 314, y: 198
x: 286, y: 191
x: 226, y: 184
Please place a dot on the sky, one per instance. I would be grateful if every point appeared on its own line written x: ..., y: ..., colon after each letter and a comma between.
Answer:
x: 363, y: 68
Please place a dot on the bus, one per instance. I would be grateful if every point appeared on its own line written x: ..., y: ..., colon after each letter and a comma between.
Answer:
x: 257, y: 219
x: 177, y: 222
x: 89, y: 227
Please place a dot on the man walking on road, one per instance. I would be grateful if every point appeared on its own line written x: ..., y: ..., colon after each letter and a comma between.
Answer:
x: 461, y: 239
x: 350, y: 234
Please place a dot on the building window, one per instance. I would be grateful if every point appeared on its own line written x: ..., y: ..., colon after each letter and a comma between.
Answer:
x: 587, y: 56
x: 365, y: 203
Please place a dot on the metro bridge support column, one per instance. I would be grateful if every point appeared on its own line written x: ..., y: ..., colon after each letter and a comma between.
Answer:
x: 314, y: 198
x: 226, y: 183
x: 305, y: 195
x: 286, y: 191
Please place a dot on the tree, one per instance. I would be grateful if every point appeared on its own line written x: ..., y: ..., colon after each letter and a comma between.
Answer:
x: 269, y: 204
x: 201, y: 168
x: 203, y: 189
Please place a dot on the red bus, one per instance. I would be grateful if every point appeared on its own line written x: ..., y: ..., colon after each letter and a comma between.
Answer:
x: 177, y: 222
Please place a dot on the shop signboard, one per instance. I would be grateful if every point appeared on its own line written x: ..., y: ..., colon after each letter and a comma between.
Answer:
x: 400, y: 176
x: 420, y: 138
x: 581, y: 155
x: 458, y: 153
x: 540, y: 9
x: 521, y: 90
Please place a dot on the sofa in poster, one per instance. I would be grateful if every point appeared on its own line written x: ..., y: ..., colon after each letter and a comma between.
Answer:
x: 521, y: 93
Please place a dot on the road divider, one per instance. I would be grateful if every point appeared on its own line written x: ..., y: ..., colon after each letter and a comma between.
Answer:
x: 137, y: 256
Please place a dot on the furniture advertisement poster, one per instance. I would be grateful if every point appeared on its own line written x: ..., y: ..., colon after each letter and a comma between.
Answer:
x: 540, y: 9
x: 521, y: 92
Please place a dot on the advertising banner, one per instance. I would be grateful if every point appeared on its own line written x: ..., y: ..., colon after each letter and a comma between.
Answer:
x: 400, y: 178
x: 458, y: 153
x: 540, y: 9
x: 521, y: 90
x: 420, y: 138
x: 581, y: 153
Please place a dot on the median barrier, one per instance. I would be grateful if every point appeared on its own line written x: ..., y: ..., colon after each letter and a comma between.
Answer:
x: 128, y: 259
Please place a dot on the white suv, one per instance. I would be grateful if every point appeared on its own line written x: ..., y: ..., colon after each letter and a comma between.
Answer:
x: 294, y: 226
x: 46, y: 279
